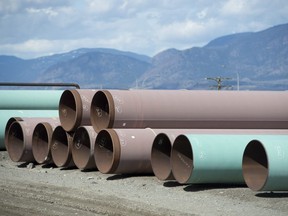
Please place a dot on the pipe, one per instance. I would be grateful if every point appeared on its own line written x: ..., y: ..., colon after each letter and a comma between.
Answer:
x: 41, y: 141
x: 7, y: 117
x: 124, y: 151
x: 209, y: 158
x: 162, y: 146
x: 19, y: 139
x: 74, y: 108
x: 61, y: 147
x: 189, y: 109
x: 265, y: 163
x: 83, y: 147
x: 40, y: 84
x: 30, y: 99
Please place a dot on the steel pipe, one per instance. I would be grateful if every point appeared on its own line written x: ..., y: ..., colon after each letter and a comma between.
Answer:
x: 265, y: 162
x: 83, y: 147
x: 209, y: 158
x: 162, y: 146
x: 123, y: 151
x: 7, y: 117
x: 41, y: 141
x: 61, y: 143
x: 30, y: 99
x: 19, y: 139
x: 74, y: 108
x: 189, y: 109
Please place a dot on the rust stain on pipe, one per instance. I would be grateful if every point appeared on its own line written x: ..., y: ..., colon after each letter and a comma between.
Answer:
x: 189, y: 109
x: 122, y: 151
x: 83, y: 147
x: 74, y: 108
x: 61, y: 145
x: 41, y: 141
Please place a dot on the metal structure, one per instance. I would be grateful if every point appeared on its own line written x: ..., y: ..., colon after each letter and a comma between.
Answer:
x: 83, y: 148
x: 219, y: 81
x: 265, y: 162
x: 189, y: 109
x: 74, y: 108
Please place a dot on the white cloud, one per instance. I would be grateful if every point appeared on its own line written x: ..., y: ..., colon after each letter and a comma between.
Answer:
x: 143, y: 26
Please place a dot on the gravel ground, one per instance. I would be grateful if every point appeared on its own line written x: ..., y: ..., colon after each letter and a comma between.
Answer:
x: 47, y: 190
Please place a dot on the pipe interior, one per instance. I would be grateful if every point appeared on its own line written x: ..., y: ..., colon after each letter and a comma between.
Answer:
x: 255, y: 165
x: 59, y: 146
x: 40, y: 143
x: 100, y: 117
x: 160, y: 157
x: 67, y: 110
x: 15, y: 142
x: 182, y: 159
x: 103, y: 152
x: 81, y: 147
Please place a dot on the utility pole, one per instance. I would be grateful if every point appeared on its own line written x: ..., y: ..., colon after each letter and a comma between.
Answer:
x: 219, y: 81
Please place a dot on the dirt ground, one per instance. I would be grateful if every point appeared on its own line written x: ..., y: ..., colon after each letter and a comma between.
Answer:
x: 47, y: 190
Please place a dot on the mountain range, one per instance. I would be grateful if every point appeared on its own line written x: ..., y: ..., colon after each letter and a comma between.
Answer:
x: 248, y: 61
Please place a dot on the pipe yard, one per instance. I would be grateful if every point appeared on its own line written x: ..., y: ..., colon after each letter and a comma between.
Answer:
x: 143, y: 152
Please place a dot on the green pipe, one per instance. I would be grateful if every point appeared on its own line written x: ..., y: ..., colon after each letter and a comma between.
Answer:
x: 265, y: 163
x: 5, y: 115
x: 197, y: 158
x: 30, y: 99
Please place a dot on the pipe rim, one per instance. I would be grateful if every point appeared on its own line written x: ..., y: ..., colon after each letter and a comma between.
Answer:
x: 81, y: 148
x: 107, y: 151
x: 41, y: 139
x: 255, y: 165
x: 7, y: 127
x: 15, y: 142
x: 60, y: 148
x: 182, y: 161
x: 161, y: 157
x: 102, y: 110
x: 70, y: 109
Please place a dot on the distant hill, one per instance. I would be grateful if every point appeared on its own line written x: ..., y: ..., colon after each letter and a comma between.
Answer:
x: 259, y: 59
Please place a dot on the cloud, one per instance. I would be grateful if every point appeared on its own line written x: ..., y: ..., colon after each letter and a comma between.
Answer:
x: 144, y: 26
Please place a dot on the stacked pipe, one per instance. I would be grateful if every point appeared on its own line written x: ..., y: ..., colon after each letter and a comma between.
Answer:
x: 73, y: 141
x: 182, y: 135
x: 26, y: 103
x: 198, y: 121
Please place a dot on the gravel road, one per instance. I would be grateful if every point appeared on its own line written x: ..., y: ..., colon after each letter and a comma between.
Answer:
x: 47, y: 190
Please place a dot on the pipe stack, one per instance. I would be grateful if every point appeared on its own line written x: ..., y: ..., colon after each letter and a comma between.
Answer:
x: 234, y: 137
x: 26, y: 103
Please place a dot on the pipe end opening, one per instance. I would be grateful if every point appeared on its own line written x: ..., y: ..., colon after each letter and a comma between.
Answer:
x: 255, y: 165
x: 182, y: 159
x: 107, y: 151
x: 15, y: 142
x: 59, y: 147
x: 102, y: 111
x: 70, y: 110
x: 160, y: 157
x: 40, y: 142
x: 81, y: 148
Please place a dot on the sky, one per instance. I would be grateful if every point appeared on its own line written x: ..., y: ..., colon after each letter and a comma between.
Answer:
x: 34, y: 28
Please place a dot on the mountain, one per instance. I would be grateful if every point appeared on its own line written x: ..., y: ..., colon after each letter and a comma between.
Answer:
x: 255, y: 60
x: 260, y: 60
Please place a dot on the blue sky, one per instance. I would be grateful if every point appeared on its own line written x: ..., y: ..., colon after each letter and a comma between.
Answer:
x: 33, y: 28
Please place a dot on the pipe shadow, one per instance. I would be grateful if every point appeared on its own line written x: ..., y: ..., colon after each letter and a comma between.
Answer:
x: 272, y: 195
x: 49, y: 166
x: 69, y: 168
x: 25, y: 164
x: 125, y: 176
x: 171, y: 184
x: 203, y: 187
x: 89, y: 170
